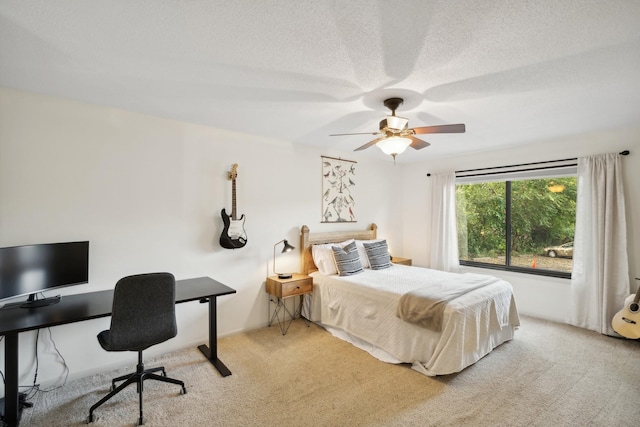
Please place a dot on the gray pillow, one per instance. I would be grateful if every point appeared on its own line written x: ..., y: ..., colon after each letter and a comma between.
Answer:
x: 347, y: 259
x: 378, y: 254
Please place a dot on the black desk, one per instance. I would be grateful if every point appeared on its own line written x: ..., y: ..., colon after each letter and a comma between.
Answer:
x: 80, y: 307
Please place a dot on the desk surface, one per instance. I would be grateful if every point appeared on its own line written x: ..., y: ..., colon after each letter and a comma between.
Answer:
x: 93, y: 305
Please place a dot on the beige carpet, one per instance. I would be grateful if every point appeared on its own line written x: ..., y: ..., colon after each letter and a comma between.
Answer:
x: 550, y: 375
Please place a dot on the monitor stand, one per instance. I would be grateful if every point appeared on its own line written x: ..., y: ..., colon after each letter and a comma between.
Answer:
x: 32, y: 302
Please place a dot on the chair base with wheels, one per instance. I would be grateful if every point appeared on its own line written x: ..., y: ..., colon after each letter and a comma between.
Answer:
x: 138, y: 378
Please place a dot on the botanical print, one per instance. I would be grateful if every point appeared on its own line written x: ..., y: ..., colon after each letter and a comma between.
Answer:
x: 338, y: 181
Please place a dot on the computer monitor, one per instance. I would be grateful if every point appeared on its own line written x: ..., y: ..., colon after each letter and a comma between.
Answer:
x: 31, y: 269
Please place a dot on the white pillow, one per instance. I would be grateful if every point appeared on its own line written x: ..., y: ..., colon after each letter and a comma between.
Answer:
x: 362, y: 253
x: 323, y: 257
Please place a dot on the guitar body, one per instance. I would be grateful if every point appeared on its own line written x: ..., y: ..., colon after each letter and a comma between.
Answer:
x: 626, y: 322
x: 233, y: 235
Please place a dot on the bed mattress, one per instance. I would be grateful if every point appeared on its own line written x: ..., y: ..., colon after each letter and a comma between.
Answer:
x: 362, y: 309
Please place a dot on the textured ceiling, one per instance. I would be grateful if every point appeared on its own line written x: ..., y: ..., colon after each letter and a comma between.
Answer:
x: 513, y: 71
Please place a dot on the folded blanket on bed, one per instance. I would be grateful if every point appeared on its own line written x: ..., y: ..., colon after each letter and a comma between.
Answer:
x: 425, y: 306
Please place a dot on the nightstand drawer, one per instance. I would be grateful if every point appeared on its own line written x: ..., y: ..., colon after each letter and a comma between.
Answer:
x: 297, y: 288
x: 297, y: 285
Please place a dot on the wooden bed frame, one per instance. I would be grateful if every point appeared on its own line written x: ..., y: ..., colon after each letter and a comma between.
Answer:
x: 307, y: 239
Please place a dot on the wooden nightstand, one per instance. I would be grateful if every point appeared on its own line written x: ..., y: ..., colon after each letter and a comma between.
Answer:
x: 403, y: 261
x: 280, y: 289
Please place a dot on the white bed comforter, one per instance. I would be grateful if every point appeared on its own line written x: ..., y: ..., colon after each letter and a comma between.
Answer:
x: 362, y: 310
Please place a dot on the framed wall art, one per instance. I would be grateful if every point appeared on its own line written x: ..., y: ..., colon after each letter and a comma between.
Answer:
x: 338, y: 183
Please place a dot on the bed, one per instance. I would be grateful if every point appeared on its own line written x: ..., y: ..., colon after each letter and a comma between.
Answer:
x: 364, y: 309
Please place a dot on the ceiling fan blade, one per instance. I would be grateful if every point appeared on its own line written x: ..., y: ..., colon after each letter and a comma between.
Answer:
x: 362, y: 133
x: 459, y: 128
x: 369, y: 144
x: 417, y: 144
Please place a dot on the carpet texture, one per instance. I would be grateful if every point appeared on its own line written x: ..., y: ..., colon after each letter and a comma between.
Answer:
x: 549, y: 375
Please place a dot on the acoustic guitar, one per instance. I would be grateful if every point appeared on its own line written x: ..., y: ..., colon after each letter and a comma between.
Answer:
x: 626, y: 322
x: 233, y: 236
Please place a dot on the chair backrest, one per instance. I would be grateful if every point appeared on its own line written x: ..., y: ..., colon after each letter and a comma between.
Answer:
x: 143, y: 312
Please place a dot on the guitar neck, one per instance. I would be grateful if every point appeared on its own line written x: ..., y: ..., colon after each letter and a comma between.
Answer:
x: 233, y: 199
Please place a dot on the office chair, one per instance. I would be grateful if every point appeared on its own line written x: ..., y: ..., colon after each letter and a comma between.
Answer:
x: 143, y: 314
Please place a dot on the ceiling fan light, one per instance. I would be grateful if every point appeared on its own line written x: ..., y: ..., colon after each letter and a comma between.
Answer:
x: 398, y: 123
x: 394, y: 145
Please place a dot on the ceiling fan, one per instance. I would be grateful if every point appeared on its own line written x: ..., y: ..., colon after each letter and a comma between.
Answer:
x: 396, y: 136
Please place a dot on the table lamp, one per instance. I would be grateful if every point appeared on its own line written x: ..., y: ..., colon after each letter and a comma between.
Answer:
x: 286, y: 248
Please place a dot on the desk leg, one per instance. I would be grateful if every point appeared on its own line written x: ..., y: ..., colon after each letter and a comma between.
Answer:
x: 11, y: 401
x: 211, y: 352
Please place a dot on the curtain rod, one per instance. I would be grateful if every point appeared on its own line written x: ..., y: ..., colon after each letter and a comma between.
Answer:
x: 622, y: 153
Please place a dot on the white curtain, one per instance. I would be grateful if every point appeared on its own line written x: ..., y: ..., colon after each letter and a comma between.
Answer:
x: 600, y: 278
x: 444, y: 234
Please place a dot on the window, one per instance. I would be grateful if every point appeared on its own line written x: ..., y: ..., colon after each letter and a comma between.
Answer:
x: 523, y: 224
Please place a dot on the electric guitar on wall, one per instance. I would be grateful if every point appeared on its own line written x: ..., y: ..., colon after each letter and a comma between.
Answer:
x: 233, y: 236
x: 626, y: 322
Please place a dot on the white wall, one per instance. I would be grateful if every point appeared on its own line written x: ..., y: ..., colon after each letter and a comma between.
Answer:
x: 147, y: 192
x: 539, y: 296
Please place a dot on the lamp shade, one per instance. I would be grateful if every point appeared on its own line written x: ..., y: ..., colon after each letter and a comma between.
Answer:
x: 286, y: 247
x: 394, y: 145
